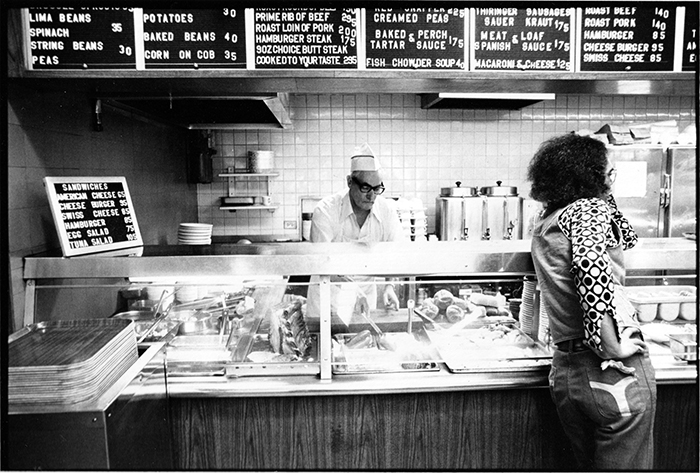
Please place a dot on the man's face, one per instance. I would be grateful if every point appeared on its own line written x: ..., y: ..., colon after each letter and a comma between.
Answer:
x: 360, y: 181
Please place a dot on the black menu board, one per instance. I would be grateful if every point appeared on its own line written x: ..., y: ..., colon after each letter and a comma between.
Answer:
x: 522, y: 39
x: 301, y: 38
x: 92, y: 214
x: 690, y: 39
x: 80, y: 38
x: 627, y: 38
x: 414, y: 38
x: 213, y: 38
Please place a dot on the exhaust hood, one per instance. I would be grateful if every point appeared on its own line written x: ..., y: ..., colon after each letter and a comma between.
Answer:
x: 211, y: 112
x: 479, y: 100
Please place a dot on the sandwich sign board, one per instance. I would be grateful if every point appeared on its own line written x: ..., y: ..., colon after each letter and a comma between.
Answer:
x: 92, y: 214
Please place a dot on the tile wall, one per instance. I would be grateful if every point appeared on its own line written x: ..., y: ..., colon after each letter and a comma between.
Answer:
x: 50, y: 134
x: 421, y: 150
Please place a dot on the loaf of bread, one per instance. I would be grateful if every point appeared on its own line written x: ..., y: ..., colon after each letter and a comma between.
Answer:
x: 454, y: 313
x: 443, y: 299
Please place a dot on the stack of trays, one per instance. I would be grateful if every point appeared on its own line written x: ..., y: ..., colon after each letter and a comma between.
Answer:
x: 194, y: 234
x: 65, y: 362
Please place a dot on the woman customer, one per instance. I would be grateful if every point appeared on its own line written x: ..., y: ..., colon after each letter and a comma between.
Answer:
x: 601, y: 379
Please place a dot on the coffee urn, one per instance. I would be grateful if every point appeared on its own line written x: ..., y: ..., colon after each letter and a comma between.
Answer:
x: 502, y: 213
x: 471, y: 214
x: 458, y: 213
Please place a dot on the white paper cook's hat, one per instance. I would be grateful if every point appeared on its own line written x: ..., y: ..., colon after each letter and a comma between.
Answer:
x: 363, y: 159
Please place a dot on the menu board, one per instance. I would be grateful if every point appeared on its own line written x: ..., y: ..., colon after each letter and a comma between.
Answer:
x: 690, y: 39
x: 522, y: 39
x: 212, y: 38
x: 80, y: 38
x: 92, y: 214
x: 627, y: 38
x: 305, y: 38
x: 414, y: 38
x: 542, y: 37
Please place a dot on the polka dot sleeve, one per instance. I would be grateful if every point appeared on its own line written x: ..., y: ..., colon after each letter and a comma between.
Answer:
x: 586, y: 223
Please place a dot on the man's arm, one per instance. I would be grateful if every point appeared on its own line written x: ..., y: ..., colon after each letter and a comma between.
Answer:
x: 321, y: 227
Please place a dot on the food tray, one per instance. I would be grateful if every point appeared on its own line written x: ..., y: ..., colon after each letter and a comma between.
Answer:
x: 666, y: 303
x: 65, y: 362
x: 494, y: 348
x: 411, y: 355
x: 253, y: 356
x: 684, y: 346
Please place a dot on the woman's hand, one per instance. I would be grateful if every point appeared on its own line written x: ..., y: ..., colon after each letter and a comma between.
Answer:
x: 627, y: 346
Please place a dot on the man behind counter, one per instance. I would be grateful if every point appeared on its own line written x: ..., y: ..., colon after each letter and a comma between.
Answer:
x: 360, y: 214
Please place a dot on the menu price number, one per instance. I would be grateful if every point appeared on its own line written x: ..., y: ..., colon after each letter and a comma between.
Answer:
x: 658, y: 25
x: 562, y: 26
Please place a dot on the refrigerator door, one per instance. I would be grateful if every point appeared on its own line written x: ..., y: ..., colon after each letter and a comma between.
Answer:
x: 638, y: 187
x: 682, y: 216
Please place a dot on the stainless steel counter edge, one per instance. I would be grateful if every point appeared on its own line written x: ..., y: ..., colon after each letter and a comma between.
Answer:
x: 669, y: 372
x: 388, y: 259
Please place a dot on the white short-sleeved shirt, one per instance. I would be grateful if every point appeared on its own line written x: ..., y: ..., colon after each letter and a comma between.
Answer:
x: 335, y: 221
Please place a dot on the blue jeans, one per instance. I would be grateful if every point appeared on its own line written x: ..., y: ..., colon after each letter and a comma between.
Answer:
x: 608, y: 416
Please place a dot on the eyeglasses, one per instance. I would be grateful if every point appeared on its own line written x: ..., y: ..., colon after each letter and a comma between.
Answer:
x: 612, y: 174
x: 365, y: 188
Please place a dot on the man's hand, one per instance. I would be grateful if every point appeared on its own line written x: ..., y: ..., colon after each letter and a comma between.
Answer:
x: 361, y: 305
x: 391, y: 301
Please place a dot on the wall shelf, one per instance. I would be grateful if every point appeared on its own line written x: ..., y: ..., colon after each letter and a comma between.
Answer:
x: 233, y: 208
x: 262, y: 176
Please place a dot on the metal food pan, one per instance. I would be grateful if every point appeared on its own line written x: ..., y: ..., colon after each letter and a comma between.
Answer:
x: 374, y: 359
x: 269, y: 364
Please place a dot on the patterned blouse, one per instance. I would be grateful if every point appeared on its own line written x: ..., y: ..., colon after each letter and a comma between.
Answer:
x: 587, y: 224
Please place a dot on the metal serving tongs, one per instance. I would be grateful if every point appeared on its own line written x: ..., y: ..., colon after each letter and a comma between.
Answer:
x: 159, y: 315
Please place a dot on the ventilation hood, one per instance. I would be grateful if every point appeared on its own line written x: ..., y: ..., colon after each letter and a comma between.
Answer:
x: 211, y: 112
x: 478, y: 100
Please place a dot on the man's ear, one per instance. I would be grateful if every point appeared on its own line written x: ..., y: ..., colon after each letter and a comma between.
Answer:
x: 348, y: 179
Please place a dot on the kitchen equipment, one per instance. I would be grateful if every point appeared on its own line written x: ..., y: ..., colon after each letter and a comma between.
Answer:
x: 502, y: 214
x: 684, y: 346
x: 664, y: 302
x: 489, y: 213
x: 261, y: 161
x: 642, y: 186
x: 458, y: 213
x: 238, y: 200
x: 681, y: 216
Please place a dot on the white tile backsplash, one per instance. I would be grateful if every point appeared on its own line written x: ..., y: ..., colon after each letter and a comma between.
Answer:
x: 421, y: 150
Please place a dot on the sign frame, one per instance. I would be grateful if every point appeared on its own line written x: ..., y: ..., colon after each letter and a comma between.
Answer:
x: 62, y: 231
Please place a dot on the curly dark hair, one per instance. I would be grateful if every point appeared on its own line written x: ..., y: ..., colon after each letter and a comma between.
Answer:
x: 567, y: 168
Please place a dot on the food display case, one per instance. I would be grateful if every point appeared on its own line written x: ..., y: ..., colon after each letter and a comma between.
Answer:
x: 235, y: 311
x: 240, y: 342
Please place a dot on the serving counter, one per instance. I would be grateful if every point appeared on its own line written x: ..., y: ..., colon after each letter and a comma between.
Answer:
x: 314, y: 414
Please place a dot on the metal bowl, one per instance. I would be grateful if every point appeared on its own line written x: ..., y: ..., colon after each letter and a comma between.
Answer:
x: 205, y: 326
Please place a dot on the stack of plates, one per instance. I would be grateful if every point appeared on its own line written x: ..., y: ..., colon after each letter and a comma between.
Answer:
x: 527, y: 307
x: 70, y: 361
x: 194, y: 234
